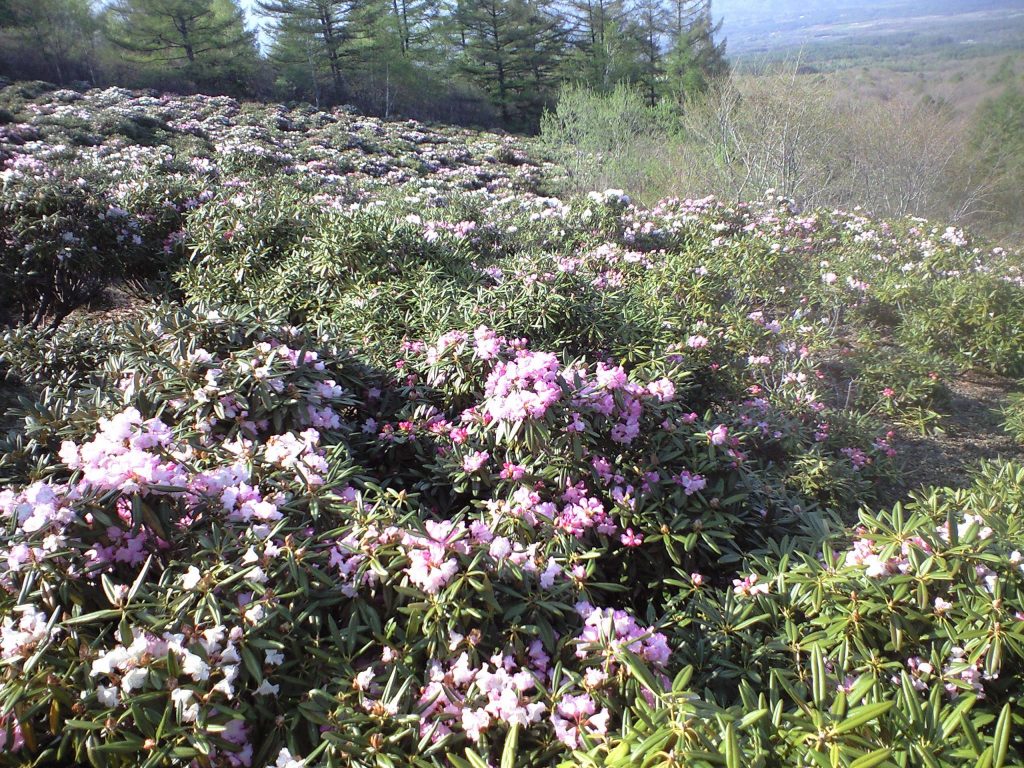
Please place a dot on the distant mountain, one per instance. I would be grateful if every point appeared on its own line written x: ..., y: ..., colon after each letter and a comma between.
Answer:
x: 763, y: 25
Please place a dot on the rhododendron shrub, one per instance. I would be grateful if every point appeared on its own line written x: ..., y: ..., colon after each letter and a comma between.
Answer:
x: 63, y: 238
x: 418, y: 465
x: 913, y: 625
x: 591, y: 453
x: 231, y: 554
x: 276, y: 547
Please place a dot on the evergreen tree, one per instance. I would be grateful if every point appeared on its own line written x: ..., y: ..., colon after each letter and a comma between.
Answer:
x: 317, y: 28
x: 203, y: 39
x: 62, y: 32
x: 547, y: 45
x: 386, y: 48
x: 650, y: 24
x: 999, y: 142
x: 300, y: 72
x: 695, y: 59
x: 603, y: 55
x: 512, y: 49
x: 411, y: 22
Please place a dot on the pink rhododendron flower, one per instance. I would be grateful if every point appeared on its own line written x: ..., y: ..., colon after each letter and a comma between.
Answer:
x: 577, y: 716
x: 749, y: 586
x: 719, y: 435
x: 474, y: 461
x: 631, y: 539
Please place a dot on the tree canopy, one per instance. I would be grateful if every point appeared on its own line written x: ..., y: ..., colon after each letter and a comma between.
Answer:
x: 492, y: 61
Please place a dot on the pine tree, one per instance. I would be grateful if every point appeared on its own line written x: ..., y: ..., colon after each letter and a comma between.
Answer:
x: 319, y: 28
x: 512, y: 49
x: 603, y: 55
x: 300, y: 72
x: 695, y: 59
x: 389, y: 52
x: 61, y: 31
x: 202, y: 38
x: 650, y: 25
x: 411, y: 20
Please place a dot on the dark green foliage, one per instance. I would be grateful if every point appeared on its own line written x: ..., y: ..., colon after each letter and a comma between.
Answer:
x: 397, y: 425
x: 206, y: 40
x: 511, y: 48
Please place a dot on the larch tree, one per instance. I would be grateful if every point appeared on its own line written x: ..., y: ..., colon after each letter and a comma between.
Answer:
x: 321, y: 27
x: 202, y: 38
x: 511, y: 48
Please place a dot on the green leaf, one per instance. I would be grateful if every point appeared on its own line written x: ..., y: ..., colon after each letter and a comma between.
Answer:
x: 1001, y: 739
x: 952, y: 722
x: 818, y: 678
x: 251, y: 663
x: 641, y: 672
x: 139, y: 580
x: 89, y: 618
x: 910, y: 696
x: 508, y: 752
x: 750, y: 718
x: 861, y: 715
x: 872, y: 759
x: 732, y: 747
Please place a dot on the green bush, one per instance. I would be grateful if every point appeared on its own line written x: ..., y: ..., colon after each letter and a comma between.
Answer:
x: 608, y: 140
x: 394, y: 461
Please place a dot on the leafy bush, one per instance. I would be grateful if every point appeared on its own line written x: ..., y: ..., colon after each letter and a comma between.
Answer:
x: 914, y: 627
x: 782, y: 128
x: 276, y: 547
x: 605, y: 140
x: 65, y: 239
x: 287, y: 253
x: 397, y: 461
x: 1013, y: 415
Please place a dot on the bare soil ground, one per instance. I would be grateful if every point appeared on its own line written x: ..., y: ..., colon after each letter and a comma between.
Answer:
x: 972, y: 432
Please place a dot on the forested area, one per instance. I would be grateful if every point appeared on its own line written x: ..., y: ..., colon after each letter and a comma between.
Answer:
x: 485, y: 62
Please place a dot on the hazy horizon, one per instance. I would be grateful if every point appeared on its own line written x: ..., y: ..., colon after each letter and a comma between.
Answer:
x: 765, y: 24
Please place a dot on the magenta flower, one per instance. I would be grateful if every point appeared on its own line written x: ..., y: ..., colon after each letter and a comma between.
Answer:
x: 631, y: 539
x: 475, y: 461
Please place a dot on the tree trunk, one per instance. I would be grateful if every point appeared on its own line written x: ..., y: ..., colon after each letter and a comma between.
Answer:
x: 186, y: 41
x: 499, y: 66
x: 331, y: 41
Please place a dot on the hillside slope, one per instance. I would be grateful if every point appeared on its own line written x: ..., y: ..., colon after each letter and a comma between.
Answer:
x: 343, y: 442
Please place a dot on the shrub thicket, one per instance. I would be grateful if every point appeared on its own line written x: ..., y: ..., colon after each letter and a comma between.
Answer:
x: 407, y: 463
x: 805, y: 137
